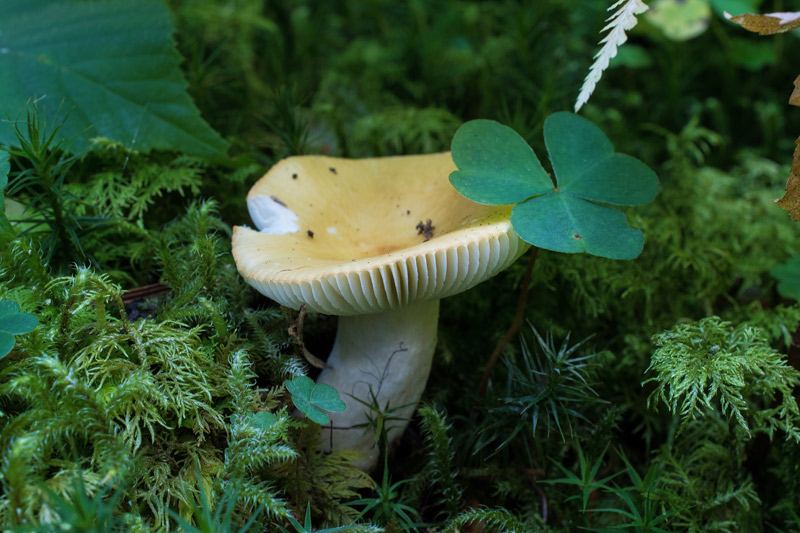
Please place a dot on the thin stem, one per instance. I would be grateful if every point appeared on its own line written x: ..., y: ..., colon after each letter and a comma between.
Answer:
x: 526, y: 281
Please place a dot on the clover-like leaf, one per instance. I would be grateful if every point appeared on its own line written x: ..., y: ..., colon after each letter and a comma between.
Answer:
x: 496, y: 166
x: 13, y: 322
x: 310, y: 398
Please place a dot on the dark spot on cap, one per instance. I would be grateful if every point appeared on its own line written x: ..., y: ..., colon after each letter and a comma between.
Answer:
x: 408, y: 211
x: 577, y: 236
x: 310, y: 233
x: 332, y: 170
x: 426, y: 229
x: 294, y: 176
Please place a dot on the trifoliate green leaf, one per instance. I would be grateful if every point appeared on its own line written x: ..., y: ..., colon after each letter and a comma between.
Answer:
x: 495, y: 165
x: 310, y: 398
x: 110, y: 67
x: 565, y: 216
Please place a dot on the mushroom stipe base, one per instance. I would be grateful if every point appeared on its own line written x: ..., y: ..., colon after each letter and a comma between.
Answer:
x: 389, y: 355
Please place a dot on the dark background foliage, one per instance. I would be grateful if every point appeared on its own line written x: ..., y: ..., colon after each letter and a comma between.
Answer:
x: 570, y: 434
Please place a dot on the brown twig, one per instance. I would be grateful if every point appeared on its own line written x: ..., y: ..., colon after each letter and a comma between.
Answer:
x: 147, y: 291
x: 534, y: 474
x: 523, y: 296
x: 296, y: 332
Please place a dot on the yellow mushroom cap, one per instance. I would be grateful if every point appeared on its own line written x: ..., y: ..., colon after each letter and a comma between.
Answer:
x: 352, y: 236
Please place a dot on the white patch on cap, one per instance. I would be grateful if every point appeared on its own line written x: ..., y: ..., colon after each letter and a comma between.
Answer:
x: 332, y: 230
x: 270, y: 216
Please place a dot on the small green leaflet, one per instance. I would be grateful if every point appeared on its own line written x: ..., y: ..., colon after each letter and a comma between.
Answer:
x: 13, y: 322
x: 496, y: 166
x: 310, y: 398
x: 110, y: 68
x: 263, y: 420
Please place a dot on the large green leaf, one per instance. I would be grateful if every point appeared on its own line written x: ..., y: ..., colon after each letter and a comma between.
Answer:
x: 112, y: 69
x: 565, y: 216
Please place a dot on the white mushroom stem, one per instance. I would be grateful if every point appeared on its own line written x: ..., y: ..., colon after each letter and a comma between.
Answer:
x: 389, y: 354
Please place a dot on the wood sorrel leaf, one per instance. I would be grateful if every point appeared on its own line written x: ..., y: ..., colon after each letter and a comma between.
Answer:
x: 495, y: 165
x: 111, y: 66
x: 565, y: 216
x: 310, y: 398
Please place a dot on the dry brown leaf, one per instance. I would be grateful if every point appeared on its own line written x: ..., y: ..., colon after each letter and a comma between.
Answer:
x: 791, y: 200
x: 768, y: 23
x: 795, y: 98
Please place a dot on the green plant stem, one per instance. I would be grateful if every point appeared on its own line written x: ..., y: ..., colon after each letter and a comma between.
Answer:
x: 515, y: 324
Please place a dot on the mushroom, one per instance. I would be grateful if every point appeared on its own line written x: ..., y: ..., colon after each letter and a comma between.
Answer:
x: 377, y: 242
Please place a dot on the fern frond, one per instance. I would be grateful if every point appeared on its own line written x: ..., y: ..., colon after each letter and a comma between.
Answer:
x: 711, y: 364
x: 495, y: 519
x: 251, y: 447
x: 624, y: 19
x: 239, y: 382
x: 326, y: 481
x: 262, y: 494
x: 701, y: 479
